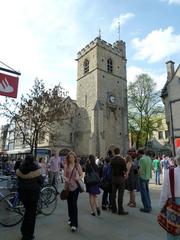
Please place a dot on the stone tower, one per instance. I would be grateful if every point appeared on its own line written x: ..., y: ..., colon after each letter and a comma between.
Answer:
x: 101, y: 98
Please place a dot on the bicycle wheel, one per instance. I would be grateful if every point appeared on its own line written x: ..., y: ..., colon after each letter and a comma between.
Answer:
x: 50, y: 186
x: 11, y: 210
x: 49, y: 193
x: 47, y: 201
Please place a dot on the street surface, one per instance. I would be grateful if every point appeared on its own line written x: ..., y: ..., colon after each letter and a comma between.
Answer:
x: 136, y: 225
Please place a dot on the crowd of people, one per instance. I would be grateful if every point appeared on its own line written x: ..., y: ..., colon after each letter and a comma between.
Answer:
x: 110, y: 176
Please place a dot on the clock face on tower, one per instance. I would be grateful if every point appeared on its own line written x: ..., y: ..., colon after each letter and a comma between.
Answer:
x: 112, y: 99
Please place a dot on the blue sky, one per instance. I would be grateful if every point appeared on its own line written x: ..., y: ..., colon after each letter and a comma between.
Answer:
x: 40, y: 38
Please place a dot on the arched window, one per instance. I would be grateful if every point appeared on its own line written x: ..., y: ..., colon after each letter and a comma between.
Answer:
x: 86, y: 66
x: 109, y: 65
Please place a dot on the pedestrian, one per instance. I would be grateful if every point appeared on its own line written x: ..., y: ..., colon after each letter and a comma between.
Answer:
x: 157, y: 169
x: 164, y: 164
x: 100, y: 167
x: 166, y: 191
x: 93, y: 188
x: 118, y: 170
x: 72, y: 173
x: 133, y: 153
x: 17, y: 164
x: 54, y: 170
x: 29, y: 184
x: 145, y: 173
x: 130, y: 181
x: 43, y: 168
x: 97, y: 159
x: 106, y: 179
x: 171, y: 163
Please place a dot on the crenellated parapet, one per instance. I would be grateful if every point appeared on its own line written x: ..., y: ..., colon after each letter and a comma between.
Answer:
x: 118, y: 48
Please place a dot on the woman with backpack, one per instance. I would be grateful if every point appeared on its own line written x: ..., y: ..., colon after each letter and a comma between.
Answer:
x: 130, y: 181
x: 92, y: 187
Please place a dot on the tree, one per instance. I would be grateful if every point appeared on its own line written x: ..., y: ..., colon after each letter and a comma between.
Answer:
x: 144, y: 105
x: 35, y: 113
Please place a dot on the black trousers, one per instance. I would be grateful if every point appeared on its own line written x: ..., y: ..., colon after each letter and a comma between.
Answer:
x: 72, y: 207
x: 30, y: 199
x: 107, y: 198
x: 118, y: 187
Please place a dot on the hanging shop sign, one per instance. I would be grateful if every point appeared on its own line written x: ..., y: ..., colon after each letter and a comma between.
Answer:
x: 177, y: 142
x: 8, y: 85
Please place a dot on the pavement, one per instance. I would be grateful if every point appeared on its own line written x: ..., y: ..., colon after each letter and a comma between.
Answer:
x: 108, y: 226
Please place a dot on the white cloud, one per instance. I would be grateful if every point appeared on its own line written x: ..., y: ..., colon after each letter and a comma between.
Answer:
x: 159, y: 78
x: 157, y: 45
x: 122, y: 19
x: 38, y: 38
x: 172, y: 1
x: 133, y: 72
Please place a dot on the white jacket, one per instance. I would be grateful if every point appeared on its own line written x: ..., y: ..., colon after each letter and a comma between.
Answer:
x: 166, y: 191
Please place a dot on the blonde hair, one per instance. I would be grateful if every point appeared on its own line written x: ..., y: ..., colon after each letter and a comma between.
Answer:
x: 128, y: 158
x: 68, y: 156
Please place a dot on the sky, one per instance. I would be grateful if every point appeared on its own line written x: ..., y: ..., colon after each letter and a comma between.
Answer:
x: 41, y: 38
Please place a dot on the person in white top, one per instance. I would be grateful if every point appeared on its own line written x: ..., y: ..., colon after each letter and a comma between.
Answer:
x: 97, y: 160
x: 166, y: 192
x: 164, y: 165
x: 43, y: 169
x: 54, y: 170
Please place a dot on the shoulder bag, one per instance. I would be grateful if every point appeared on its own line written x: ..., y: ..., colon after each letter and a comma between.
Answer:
x: 169, y: 216
x: 81, y: 184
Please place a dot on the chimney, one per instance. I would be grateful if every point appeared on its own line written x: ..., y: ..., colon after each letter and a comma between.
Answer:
x: 170, y: 70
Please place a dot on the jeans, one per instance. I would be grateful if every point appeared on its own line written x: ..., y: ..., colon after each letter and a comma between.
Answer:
x: 72, y: 207
x: 145, y: 197
x: 54, y: 179
x: 157, y: 176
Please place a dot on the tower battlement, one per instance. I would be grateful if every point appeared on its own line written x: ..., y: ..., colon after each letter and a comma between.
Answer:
x: 117, y: 48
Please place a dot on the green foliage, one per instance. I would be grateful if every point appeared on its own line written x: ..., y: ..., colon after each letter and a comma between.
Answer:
x: 34, y: 114
x: 144, y: 103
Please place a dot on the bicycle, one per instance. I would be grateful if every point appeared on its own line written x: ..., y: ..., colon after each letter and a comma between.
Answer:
x: 12, y: 209
x: 9, y: 205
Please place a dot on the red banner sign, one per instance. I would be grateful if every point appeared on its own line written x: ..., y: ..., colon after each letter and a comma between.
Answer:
x: 8, y: 85
x: 177, y: 142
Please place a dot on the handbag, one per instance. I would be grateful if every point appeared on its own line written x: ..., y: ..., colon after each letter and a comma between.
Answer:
x: 65, y: 192
x: 169, y: 216
x: 91, y: 178
x: 81, y: 185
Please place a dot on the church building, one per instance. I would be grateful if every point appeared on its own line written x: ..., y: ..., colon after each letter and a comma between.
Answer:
x: 98, y: 118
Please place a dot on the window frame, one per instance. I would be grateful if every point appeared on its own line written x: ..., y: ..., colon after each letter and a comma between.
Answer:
x: 110, y: 65
x: 86, y: 66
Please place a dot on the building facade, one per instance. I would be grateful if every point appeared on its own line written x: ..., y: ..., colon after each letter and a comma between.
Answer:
x: 98, y: 118
x: 171, y: 99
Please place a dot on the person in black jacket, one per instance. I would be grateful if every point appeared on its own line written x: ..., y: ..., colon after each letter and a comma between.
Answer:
x: 17, y: 164
x: 29, y: 183
x: 118, y: 171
